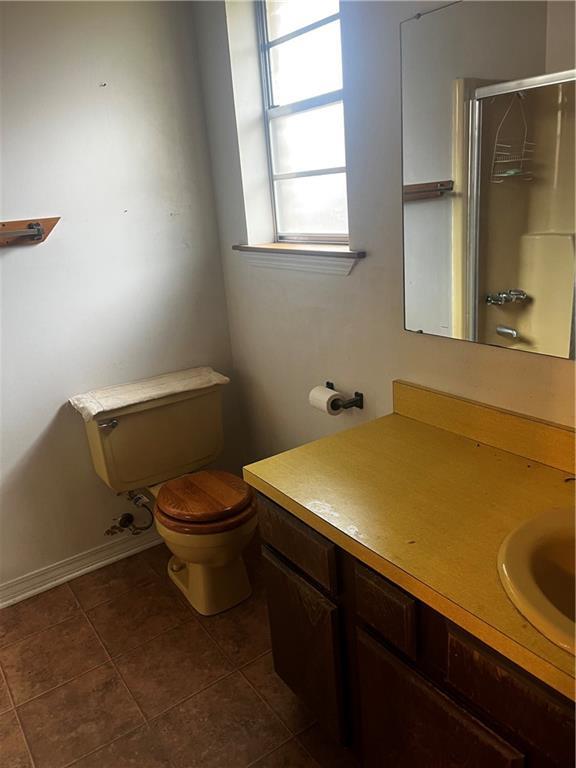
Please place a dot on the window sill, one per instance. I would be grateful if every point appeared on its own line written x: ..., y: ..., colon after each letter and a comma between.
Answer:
x: 305, y: 257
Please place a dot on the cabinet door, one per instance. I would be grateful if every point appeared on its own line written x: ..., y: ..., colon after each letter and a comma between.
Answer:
x: 407, y: 722
x: 304, y: 626
x: 543, y: 720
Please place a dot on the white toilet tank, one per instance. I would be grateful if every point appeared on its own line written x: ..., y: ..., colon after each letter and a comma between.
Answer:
x: 144, y: 433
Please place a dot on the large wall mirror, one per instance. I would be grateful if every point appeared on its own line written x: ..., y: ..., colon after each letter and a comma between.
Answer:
x: 488, y: 173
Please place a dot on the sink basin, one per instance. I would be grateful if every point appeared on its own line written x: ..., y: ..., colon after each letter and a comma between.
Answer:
x: 536, y: 566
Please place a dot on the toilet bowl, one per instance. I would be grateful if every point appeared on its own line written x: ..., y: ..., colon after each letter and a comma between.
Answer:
x: 206, y: 519
x: 157, y: 435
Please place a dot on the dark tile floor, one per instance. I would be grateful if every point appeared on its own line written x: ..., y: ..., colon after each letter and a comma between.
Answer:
x: 116, y: 670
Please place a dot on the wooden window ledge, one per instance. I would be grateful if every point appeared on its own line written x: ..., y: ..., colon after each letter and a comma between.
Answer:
x: 306, y: 257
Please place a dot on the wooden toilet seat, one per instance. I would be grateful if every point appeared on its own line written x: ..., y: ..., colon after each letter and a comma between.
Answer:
x: 210, y: 501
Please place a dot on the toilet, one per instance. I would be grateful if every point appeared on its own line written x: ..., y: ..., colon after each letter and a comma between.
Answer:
x: 156, y: 436
x: 206, y: 520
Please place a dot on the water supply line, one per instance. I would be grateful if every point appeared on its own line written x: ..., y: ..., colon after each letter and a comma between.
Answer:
x: 126, y: 521
x: 140, y: 500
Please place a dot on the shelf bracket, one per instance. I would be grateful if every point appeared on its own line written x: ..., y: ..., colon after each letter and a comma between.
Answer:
x: 26, y: 231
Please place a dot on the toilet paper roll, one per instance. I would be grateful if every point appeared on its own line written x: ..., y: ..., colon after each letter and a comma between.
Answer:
x: 326, y: 400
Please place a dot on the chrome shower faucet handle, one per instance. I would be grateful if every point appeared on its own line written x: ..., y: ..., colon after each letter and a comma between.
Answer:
x: 512, y: 296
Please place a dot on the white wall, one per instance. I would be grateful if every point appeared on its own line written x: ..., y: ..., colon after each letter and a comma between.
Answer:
x: 245, y: 57
x: 102, y: 124
x: 293, y: 330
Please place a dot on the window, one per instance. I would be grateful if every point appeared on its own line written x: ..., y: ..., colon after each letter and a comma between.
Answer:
x: 302, y: 86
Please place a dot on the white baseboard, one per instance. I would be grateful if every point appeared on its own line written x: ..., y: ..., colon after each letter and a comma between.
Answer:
x: 65, y: 570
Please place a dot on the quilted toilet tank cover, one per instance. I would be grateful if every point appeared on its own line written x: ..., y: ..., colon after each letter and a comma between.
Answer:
x: 90, y: 404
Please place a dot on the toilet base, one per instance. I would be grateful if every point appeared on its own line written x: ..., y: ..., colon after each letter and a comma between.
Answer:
x: 211, y: 589
x: 208, y: 568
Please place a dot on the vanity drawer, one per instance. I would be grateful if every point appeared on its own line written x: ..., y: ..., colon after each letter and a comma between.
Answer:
x: 387, y: 609
x: 408, y: 723
x: 542, y: 719
x: 312, y: 553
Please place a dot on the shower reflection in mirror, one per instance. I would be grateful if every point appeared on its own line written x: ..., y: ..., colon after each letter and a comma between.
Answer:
x: 488, y: 111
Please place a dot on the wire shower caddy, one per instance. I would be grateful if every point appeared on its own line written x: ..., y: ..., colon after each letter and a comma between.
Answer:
x: 512, y: 155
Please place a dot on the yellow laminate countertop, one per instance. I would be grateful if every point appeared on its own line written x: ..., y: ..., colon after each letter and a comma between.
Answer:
x: 428, y: 509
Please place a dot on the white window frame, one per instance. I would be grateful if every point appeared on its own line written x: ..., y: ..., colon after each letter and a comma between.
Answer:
x: 272, y: 111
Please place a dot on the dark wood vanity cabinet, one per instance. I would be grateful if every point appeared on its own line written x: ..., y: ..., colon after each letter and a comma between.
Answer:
x: 390, y: 676
x: 304, y: 625
x: 407, y: 721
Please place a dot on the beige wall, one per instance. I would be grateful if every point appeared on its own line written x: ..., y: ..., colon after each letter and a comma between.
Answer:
x: 129, y: 284
x: 561, y: 20
x: 291, y: 330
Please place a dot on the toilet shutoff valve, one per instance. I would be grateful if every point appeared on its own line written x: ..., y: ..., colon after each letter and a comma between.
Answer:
x: 138, y: 499
x: 121, y: 523
x: 127, y: 521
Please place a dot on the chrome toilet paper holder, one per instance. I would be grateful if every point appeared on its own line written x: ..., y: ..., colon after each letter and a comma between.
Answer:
x: 342, y: 405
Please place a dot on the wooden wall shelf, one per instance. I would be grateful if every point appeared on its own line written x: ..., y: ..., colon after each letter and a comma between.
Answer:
x: 427, y: 191
x: 26, y: 231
